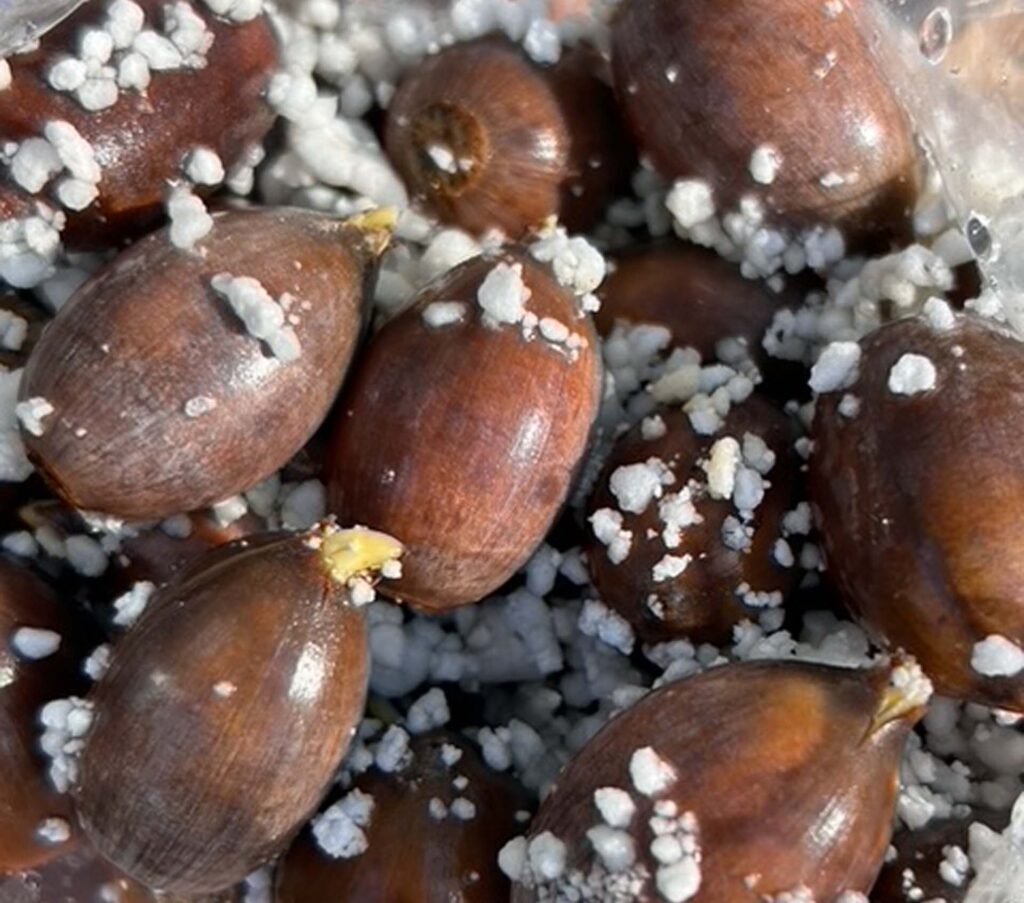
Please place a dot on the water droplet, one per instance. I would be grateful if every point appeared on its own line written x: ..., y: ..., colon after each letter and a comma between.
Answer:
x: 936, y: 34
x: 979, y: 237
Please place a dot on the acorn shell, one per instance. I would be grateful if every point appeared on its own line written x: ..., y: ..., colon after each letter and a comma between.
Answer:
x: 704, y: 601
x: 918, y: 500
x: 26, y: 796
x: 493, y: 111
x: 789, y: 769
x: 704, y: 84
x: 462, y: 440
x: 223, y: 717
x: 141, y: 142
x: 441, y: 860
x: 148, y: 334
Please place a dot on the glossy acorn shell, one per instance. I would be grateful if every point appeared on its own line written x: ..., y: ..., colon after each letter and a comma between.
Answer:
x: 921, y: 851
x: 141, y: 142
x: 488, y: 104
x: 462, y: 441
x: 188, y: 788
x: 412, y: 857
x: 702, y: 602
x: 918, y: 501
x: 81, y: 875
x: 790, y: 780
x: 703, y: 84
x: 26, y: 796
x: 148, y: 333
x: 698, y: 297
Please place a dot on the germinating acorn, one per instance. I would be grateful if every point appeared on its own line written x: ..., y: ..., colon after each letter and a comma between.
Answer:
x: 168, y: 82
x: 740, y: 784
x: 174, y: 379
x: 432, y: 834
x: 780, y: 99
x: 37, y: 664
x: 228, y: 708
x: 463, y: 424
x: 704, y: 517
x: 917, y: 476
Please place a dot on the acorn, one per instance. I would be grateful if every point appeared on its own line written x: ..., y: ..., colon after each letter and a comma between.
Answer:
x: 691, y: 291
x: 247, y: 674
x: 935, y: 868
x: 203, y: 88
x: 143, y: 393
x: 37, y: 664
x: 489, y: 140
x: 466, y: 449
x: 742, y: 783
x: 81, y: 875
x: 444, y: 818
x: 705, y: 545
x: 780, y: 99
x: 916, y: 478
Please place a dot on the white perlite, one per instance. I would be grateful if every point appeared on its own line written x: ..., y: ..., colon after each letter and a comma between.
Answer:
x: 721, y: 467
x: 650, y: 773
x: 190, y: 222
x: 502, y: 295
x: 439, y: 314
x: 32, y: 413
x: 997, y: 656
x: 606, y: 524
x: 836, y: 368
x: 204, y: 167
x: 911, y: 374
x: 65, y: 723
x: 54, y: 831
x: 264, y: 318
x: 236, y: 10
x: 764, y: 164
x: 34, y: 642
x: 635, y: 486
x: 338, y: 830
x: 670, y: 567
x: 128, y: 608
x: 615, y: 805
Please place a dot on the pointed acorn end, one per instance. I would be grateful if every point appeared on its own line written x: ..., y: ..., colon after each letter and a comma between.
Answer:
x: 376, y: 228
x: 355, y: 553
x: 906, y: 696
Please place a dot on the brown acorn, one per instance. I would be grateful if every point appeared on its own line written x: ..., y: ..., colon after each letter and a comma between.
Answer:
x: 155, y: 383
x: 32, y: 672
x: 688, y: 571
x: 695, y: 294
x: 81, y: 875
x: 142, y: 140
x: 227, y: 709
x: 444, y: 823
x: 489, y: 140
x: 704, y: 85
x: 923, y: 853
x: 467, y: 449
x: 917, y: 498
x: 742, y: 783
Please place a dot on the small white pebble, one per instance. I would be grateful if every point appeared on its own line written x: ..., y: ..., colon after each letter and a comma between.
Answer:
x: 911, y: 374
x: 34, y: 642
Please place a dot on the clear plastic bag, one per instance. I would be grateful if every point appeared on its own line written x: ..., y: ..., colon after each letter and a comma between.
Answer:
x: 958, y: 68
x: 22, y: 21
